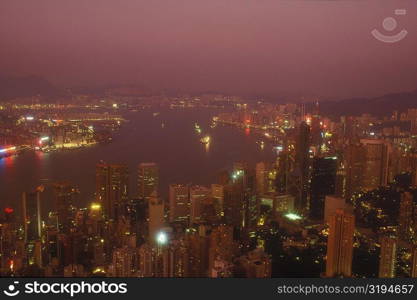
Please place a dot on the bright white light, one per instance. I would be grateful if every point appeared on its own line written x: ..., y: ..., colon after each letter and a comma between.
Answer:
x: 293, y: 216
x: 162, y: 238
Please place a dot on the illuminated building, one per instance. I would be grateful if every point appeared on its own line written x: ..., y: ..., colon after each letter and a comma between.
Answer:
x: 156, y: 217
x: 284, y: 203
x: 175, y: 259
x: 198, y: 194
x: 387, y: 259
x: 283, y: 172
x: 261, y: 178
x: 63, y: 200
x: 331, y: 205
x: 414, y: 263
x: 137, y: 213
x: 233, y: 205
x: 405, y: 216
x: 413, y: 167
x: 220, y: 245
x: 218, y: 194
x: 148, y: 179
x: 375, y: 171
x: 112, y: 188
x: 146, y: 260
x: 302, y: 165
x: 354, y: 156
x: 323, y: 181
x: 179, y: 203
x: 124, y: 262
x: 340, y: 244
x: 32, y: 215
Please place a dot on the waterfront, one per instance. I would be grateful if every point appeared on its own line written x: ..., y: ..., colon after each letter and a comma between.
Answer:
x: 169, y: 139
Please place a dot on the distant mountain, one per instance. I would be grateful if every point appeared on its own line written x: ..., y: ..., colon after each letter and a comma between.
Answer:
x: 379, y: 106
x: 27, y: 86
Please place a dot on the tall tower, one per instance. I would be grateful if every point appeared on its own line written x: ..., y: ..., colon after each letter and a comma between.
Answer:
x: 405, y: 217
x: 414, y: 263
x: 156, y: 217
x: 32, y: 215
x: 388, y: 257
x: 148, y: 179
x: 198, y: 194
x: 323, y: 182
x: 376, y: 164
x: 302, y: 165
x: 112, y: 188
x: 340, y: 244
x: 63, y: 199
x: 354, y: 161
x: 179, y: 202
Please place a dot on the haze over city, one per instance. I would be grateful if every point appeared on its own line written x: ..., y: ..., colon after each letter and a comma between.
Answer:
x: 198, y: 139
x: 270, y: 47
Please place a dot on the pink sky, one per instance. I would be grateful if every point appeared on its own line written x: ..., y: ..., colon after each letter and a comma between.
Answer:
x: 242, y: 46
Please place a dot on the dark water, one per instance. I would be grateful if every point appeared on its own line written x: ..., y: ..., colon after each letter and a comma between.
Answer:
x: 175, y: 147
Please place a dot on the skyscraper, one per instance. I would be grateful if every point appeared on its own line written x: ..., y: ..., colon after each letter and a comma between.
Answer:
x: 148, y: 179
x: 323, y: 182
x: 376, y: 164
x: 156, y: 217
x: 32, y: 215
x: 405, y: 216
x: 112, y: 188
x: 354, y: 162
x: 179, y: 202
x: 198, y: 194
x: 64, y: 194
x: 388, y: 257
x: 302, y: 166
x: 340, y: 244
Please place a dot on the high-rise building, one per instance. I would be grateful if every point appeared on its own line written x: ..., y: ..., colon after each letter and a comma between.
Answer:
x: 112, y: 188
x: 414, y: 263
x: 405, y: 216
x: 148, y: 179
x: 323, y: 182
x: 156, y: 217
x: 388, y: 257
x: 340, y: 244
x: 354, y: 162
x: 179, y: 203
x: 375, y: 171
x: 198, y: 194
x: 261, y: 170
x: 233, y: 204
x: 32, y: 215
x: 221, y: 245
x: 64, y: 194
x: 218, y: 194
x: 302, y: 166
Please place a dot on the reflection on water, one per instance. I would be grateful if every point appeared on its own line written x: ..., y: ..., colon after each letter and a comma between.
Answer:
x: 176, y: 147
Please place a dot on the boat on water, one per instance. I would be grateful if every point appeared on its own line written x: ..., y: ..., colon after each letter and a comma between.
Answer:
x: 155, y: 114
x: 205, y: 139
x: 197, y: 128
x: 7, y: 151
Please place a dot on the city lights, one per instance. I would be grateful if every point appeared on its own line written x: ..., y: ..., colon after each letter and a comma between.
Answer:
x: 293, y: 216
x: 95, y: 206
x: 162, y: 238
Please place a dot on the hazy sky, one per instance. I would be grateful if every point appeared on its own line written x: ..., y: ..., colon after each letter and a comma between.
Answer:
x: 243, y: 46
